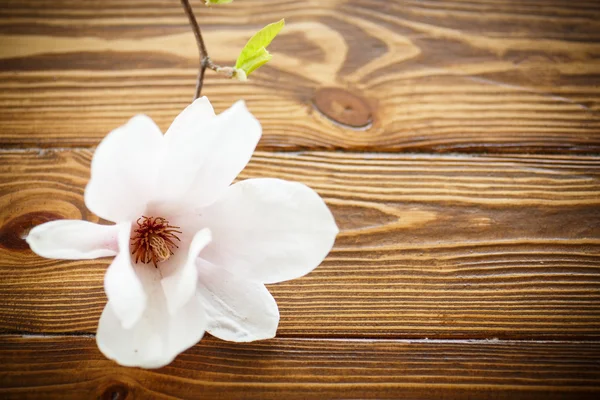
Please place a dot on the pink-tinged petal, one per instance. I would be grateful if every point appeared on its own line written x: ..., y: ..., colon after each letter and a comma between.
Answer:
x: 180, y: 285
x: 238, y: 310
x: 124, y: 171
x: 158, y: 337
x: 269, y: 230
x: 122, y: 285
x: 73, y: 240
x: 201, y: 162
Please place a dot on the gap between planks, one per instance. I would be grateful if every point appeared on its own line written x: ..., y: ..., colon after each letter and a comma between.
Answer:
x: 4, y: 335
x: 370, y: 153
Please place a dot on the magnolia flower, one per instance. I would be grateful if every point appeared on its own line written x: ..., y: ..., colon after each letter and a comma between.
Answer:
x: 192, y: 251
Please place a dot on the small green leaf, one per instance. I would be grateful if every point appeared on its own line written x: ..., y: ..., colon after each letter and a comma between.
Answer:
x: 255, y: 54
x: 209, y: 2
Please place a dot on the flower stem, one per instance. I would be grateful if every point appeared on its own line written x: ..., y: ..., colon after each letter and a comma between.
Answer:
x: 205, y: 61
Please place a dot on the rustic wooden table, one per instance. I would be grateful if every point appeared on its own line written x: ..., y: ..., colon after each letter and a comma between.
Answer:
x: 456, y: 142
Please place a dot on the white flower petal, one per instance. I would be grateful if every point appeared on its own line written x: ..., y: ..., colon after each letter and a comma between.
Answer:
x: 73, y: 240
x: 124, y: 171
x: 204, y: 159
x: 191, y: 120
x: 158, y: 337
x: 238, y: 309
x: 269, y: 230
x: 122, y: 285
x: 180, y: 285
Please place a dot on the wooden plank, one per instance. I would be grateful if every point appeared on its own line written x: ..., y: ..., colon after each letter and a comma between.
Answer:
x: 430, y: 246
x: 73, y: 368
x: 437, y: 76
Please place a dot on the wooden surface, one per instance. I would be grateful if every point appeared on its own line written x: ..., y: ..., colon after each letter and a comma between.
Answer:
x: 73, y: 368
x: 468, y: 263
x: 438, y: 247
x: 438, y: 76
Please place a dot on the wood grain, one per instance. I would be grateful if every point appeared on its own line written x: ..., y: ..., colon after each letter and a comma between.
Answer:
x: 436, y: 76
x: 455, y: 276
x: 73, y: 368
x: 430, y: 246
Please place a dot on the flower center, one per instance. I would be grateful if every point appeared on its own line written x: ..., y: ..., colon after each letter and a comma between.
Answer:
x: 153, y: 240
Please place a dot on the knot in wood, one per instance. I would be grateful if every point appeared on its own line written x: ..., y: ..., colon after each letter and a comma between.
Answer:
x: 116, y: 391
x: 343, y: 107
x: 14, y: 231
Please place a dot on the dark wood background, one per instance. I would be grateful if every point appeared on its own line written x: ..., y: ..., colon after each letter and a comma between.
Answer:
x: 456, y: 142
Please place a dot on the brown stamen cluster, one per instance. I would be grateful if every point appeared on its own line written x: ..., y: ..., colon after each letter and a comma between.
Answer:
x: 153, y: 240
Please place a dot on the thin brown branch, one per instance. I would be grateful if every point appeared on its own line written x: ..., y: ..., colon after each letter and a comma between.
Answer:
x: 199, y: 81
x: 204, y: 59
